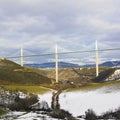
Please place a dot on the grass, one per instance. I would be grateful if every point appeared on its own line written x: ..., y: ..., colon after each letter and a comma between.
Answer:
x: 41, y: 90
x: 43, y: 72
x: 2, y: 111
x: 30, y: 89
x: 94, y: 86
x: 76, y: 75
x: 12, y: 73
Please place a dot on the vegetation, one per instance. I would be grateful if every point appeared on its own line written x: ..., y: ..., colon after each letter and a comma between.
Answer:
x: 61, y: 114
x: 43, y: 72
x: 93, y: 86
x: 16, y: 100
x: 76, y: 75
x: 29, y: 89
x: 13, y: 76
x: 12, y: 73
x: 21, y: 104
x: 90, y: 115
x: 109, y: 115
x: 2, y: 111
x: 104, y: 75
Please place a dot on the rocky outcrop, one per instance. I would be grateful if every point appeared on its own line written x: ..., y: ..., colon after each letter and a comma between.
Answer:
x: 43, y: 105
x: 114, y: 76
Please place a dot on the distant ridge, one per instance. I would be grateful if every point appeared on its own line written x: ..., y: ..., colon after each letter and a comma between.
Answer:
x: 72, y: 65
x: 52, y: 65
x: 111, y: 63
x: 105, y: 64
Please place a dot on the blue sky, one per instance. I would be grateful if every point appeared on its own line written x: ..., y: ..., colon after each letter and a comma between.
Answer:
x: 38, y: 25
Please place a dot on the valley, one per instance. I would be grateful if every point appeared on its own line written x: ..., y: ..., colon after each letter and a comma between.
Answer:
x: 74, y: 83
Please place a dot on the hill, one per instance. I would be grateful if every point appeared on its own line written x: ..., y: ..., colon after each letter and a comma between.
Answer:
x: 12, y: 73
x: 72, y: 65
x: 111, y: 63
x: 104, y: 75
x: 105, y: 64
x: 52, y: 65
x: 76, y: 75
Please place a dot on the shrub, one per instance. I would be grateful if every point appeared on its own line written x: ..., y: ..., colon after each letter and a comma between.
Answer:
x: 23, y: 104
x: 112, y: 114
x: 90, y: 115
x: 61, y: 114
x: 2, y: 111
x: 117, y: 113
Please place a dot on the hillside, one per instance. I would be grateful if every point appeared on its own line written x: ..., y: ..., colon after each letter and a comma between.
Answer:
x: 111, y: 64
x: 104, y: 75
x: 76, y: 75
x: 12, y: 73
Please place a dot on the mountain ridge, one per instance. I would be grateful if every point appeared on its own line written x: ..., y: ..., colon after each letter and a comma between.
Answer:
x: 52, y: 65
x: 72, y: 65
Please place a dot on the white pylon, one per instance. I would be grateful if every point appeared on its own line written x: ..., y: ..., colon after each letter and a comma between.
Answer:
x: 21, y: 56
x: 97, y: 66
x: 56, y: 61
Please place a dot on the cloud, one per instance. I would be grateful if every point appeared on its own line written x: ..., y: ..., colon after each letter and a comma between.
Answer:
x: 72, y: 24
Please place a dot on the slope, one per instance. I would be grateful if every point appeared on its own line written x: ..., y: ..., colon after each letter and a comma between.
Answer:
x: 76, y: 75
x: 12, y: 73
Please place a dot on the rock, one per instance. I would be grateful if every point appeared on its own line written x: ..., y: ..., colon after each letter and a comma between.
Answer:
x: 43, y: 105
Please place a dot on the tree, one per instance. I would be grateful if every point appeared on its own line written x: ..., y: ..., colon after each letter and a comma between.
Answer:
x: 90, y: 115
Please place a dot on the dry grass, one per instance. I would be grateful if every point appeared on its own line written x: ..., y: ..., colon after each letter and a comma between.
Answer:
x: 30, y: 89
x: 94, y: 86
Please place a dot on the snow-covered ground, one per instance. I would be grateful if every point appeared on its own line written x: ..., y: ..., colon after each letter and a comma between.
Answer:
x: 77, y: 102
x: 26, y: 116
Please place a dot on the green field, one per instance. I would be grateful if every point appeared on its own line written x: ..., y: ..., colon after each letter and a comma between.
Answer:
x: 94, y: 86
x: 15, y: 77
x: 30, y: 89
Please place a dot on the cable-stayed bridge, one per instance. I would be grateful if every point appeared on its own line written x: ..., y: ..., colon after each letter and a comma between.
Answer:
x: 16, y: 54
x: 23, y: 56
x: 26, y: 53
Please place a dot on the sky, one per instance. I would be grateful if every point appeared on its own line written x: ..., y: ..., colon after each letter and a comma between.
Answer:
x: 74, y: 25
